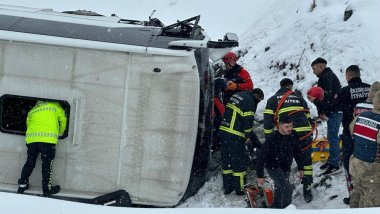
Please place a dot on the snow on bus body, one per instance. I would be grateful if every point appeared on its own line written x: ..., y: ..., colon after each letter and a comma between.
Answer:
x: 138, y: 100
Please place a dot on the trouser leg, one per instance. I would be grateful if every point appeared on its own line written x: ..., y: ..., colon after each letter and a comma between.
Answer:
x: 47, y: 157
x: 32, y: 154
x: 239, y: 180
x: 226, y: 167
x: 348, y: 149
x: 357, y: 168
x: 239, y: 162
x: 371, y: 184
x: 307, y: 180
x: 333, y: 124
x: 283, y: 189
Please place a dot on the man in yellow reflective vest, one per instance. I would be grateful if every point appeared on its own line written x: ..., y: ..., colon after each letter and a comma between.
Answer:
x: 295, y: 106
x: 235, y: 130
x: 46, y: 121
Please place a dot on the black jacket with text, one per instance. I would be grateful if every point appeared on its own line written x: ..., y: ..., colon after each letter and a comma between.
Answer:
x: 348, y: 97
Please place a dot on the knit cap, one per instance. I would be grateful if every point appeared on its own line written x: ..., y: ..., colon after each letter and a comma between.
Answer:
x: 316, y: 92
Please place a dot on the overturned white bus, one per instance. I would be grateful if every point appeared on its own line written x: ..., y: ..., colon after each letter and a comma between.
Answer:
x: 138, y: 96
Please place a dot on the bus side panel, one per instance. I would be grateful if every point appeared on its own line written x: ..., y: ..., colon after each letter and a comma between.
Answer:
x: 161, y: 127
x: 131, y: 127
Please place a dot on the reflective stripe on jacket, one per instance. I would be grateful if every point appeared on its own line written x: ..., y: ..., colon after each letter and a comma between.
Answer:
x: 239, y: 115
x: 293, y: 102
x: 45, y: 123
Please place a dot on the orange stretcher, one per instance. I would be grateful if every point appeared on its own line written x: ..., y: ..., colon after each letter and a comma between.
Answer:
x: 320, y: 149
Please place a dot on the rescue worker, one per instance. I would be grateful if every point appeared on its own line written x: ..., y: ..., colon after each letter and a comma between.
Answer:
x: 277, y: 156
x: 45, y: 122
x: 238, y: 78
x: 355, y: 92
x: 365, y: 161
x: 218, y: 111
x: 327, y: 110
x: 296, y: 107
x: 235, y: 129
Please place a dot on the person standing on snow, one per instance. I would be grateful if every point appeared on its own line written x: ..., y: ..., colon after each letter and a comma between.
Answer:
x: 235, y: 131
x: 327, y: 110
x: 237, y: 78
x: 276, y: 156
x: 295, y: 107
x: 45, y: 122
x: 355, y: 92
x: 365, y: 161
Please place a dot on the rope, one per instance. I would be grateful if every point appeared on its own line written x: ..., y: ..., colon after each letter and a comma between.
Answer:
x: 314, y: 125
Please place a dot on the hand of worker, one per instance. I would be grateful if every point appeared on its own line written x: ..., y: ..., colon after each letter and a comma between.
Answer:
x: 301, y: 174
x: 231, y: 86
x: 323, y: 117
x: 260, y: 181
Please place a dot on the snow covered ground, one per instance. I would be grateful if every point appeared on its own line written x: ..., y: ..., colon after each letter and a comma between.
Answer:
x: 294, y: 35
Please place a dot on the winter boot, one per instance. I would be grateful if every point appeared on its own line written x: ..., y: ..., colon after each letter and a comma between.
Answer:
x: 307, y: 194
x: 22, y: 186
x: 346, y: 200
x: 325, y: 165
x: 331, y: 170
x: 51, y: 191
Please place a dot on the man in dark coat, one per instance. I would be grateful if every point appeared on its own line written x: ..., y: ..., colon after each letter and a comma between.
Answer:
x: 327, y: 110
x: 295, y: 107
x: 355, y: 92
x: 277, y: 156
x: 348, y: 97
x: 235, y: 130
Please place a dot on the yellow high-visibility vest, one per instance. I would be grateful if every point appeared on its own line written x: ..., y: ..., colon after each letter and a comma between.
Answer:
x: 45, y: 123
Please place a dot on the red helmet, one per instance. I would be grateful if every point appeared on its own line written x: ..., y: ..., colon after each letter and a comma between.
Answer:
x: 230, y: 55
x: 316, y: 92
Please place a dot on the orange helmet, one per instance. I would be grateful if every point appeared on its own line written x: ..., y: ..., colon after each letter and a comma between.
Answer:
x: 316, y: 92
x: 230, y: 55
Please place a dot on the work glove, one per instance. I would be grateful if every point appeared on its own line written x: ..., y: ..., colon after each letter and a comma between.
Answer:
x: 231, y: 86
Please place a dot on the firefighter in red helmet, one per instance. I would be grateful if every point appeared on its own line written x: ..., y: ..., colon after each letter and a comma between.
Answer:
x: 238, y: 78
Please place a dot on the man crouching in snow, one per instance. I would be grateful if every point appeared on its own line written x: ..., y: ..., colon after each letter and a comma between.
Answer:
x: 277, y: 157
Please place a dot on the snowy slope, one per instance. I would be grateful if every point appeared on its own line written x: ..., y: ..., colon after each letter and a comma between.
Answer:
x: 293, y: 34
x: 297, y: 36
